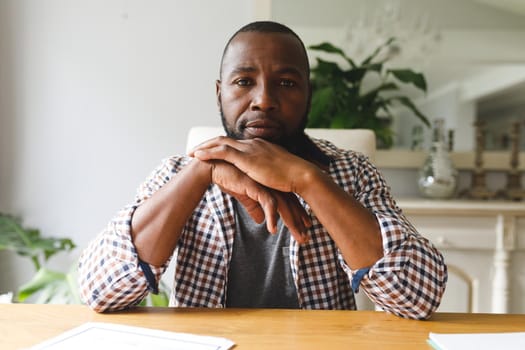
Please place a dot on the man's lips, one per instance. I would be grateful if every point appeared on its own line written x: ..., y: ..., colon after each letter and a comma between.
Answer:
x: 265, y: 129
x: 262, y: 123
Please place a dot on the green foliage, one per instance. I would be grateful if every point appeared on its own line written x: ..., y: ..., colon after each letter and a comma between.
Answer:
x: 338, y: 99
x: 28, y: 242
x: 160, y: 299
x: 48, y: 286
x: 51, y: 287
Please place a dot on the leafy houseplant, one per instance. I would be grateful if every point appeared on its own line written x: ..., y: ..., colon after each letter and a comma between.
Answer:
x: 339, y: 99
x: 49, y: 286
x: 52, y: 286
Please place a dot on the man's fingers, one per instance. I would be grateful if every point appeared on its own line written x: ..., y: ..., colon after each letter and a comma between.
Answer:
x: 299, y: 210
x: 258, y: 201
x: 269, y: 205
x: 262, y: 202
x: 294, y: 216
x: 217, y: 145
x: 223, y: 152
x: 252, y: 207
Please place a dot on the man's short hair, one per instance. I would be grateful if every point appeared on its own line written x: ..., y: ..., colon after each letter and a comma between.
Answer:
x: 266, y: 27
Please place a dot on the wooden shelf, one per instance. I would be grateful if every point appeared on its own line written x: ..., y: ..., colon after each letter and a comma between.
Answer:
x: 454, y: 207
x: 407, y: 159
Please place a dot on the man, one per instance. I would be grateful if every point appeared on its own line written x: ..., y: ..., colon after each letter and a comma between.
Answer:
x: 265, y: 217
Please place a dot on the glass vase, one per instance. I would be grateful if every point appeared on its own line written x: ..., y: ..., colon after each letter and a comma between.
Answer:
x: 438, y: 177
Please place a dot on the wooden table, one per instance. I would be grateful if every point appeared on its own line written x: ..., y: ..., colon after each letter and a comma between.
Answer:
x: 23, y: 325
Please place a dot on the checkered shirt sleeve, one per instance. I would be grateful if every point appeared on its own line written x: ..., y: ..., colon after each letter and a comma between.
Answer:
x: 110, y: 277
x: 410, y: 279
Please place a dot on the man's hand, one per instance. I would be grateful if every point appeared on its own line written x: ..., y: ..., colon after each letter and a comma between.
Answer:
x: 264, y: 162
x: 262, y: 202
x: 275, y: 168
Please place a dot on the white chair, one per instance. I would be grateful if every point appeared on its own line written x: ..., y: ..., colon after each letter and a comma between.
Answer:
x: 360, y: 140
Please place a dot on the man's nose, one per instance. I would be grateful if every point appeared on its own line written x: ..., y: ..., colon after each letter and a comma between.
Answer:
x: 264, y: 98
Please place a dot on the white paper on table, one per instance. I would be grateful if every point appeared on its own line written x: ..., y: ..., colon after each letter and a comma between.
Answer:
x: 102, y: 336
x: 478, y: 341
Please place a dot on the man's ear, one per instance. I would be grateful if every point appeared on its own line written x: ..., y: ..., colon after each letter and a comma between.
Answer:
x: 218, y: 92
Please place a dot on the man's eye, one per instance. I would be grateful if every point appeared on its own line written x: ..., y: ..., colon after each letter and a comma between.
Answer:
x: 242, y: 82
x: 287, y: 83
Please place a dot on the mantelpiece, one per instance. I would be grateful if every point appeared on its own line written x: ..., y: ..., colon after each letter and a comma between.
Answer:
x: 407, y: 159
x: 419, y: 206
x: 464, y: 230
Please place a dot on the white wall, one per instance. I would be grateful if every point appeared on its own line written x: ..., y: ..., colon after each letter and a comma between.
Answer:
x: 92, y: 95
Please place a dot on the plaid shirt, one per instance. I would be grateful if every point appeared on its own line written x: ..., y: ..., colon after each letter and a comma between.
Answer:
x: 408, y: 281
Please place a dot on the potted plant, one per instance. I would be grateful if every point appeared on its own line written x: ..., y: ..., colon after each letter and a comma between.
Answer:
x: 341, y: 99
x: 49, y: 286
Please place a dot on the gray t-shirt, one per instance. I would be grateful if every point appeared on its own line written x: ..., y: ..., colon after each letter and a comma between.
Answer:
x: 260, y: 275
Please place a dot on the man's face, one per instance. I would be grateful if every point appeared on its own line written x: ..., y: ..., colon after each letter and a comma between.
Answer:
x: 264, y: 89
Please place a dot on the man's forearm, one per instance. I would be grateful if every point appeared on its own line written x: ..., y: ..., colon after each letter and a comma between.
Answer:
x: 157, y: 224
x: 353, y: 228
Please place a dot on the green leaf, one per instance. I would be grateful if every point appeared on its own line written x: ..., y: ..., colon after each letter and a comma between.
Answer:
x: 327, y: 47
x: 339, y: 121
x: 51, y: 287
x: 28, y: 242
x: 160, y: 299
x: 377, y: 51
x: 322, y: 102
x: 410, y: 105
x: 383, y: 87
x: 330, y: 48
x: 13, y: 236
x: 386, y: 137
x: 375, y: 67
x: 355, y: 75
x: 410, y: 77
x: 43, y: 281
x: 325, y: 70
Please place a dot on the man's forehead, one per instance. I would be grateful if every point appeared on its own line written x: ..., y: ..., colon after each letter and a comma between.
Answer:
x: 284, y: 48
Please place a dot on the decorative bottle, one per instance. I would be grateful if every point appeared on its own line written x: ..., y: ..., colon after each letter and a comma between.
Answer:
x: 438, y: 177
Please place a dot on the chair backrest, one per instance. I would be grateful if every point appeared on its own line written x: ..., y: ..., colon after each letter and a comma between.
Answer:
x: 360, y: 140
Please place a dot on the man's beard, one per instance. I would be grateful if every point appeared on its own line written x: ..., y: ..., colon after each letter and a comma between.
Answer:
x: 290, y: 142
